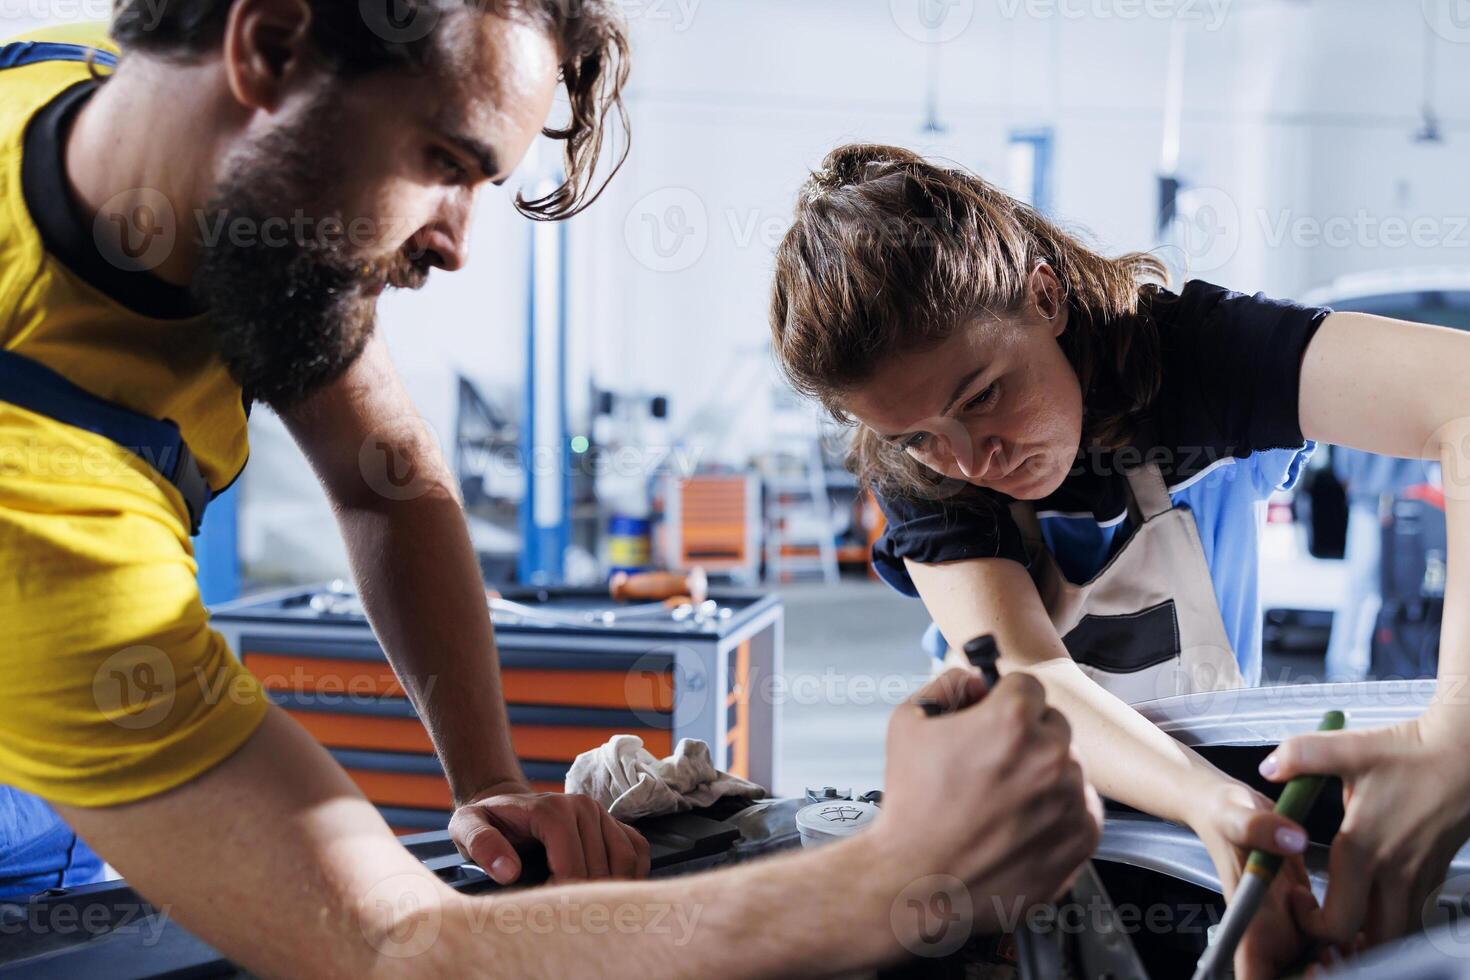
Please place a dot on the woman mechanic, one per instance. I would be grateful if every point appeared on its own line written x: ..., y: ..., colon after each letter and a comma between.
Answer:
x: 1073, y: 458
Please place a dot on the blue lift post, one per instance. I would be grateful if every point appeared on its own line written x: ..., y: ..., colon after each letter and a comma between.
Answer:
x: 1038, y: 142
x: 217, y: 549
x: 545, y: 516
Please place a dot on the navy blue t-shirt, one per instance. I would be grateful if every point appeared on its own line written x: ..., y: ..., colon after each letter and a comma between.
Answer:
x: 1224, y: 429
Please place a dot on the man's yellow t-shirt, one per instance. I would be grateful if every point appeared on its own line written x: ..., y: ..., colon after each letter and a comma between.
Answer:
x: 112, y: 685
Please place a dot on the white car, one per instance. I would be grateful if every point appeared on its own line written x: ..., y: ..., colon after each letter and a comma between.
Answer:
x: 1298, y: 591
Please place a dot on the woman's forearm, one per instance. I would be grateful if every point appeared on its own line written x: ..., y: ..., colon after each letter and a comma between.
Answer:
x: 1452, y: 693
x: 1128, y: 758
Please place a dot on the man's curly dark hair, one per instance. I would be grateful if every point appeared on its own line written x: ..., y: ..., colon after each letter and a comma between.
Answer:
x: 373, y: 35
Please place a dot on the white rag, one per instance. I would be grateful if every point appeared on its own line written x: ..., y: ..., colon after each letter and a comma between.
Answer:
x: 626, y: 778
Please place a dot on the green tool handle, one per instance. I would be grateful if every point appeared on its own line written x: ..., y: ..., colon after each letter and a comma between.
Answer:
x: 1295, y: 803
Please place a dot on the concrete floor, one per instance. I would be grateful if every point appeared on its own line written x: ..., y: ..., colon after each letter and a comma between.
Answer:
x: 852, y: 653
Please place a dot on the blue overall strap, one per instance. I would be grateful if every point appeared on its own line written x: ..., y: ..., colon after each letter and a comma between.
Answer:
x: 19, y: 53
x: 37, y: 388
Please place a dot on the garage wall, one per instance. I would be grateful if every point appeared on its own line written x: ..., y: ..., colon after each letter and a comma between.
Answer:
x: 1296, y: 135
x: 470, y: 323
x: 1297, y: 116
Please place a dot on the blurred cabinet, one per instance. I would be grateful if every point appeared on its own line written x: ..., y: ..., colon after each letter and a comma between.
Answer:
x: 713, y: 520
x: 569, y: 688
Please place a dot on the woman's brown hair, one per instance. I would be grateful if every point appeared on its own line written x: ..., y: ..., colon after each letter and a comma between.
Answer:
x: 891, y: 253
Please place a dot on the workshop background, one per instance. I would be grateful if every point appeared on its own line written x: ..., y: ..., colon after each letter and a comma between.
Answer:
x: 606, y: 392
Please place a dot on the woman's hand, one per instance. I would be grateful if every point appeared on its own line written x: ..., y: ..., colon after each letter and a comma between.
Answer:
x: 1405, y: 791
x: 1234, y: 820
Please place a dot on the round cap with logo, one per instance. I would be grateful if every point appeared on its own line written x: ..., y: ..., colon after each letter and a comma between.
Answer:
x: 831, y: 820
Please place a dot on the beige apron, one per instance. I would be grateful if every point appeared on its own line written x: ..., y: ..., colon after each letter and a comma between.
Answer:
x: 1147, y: 625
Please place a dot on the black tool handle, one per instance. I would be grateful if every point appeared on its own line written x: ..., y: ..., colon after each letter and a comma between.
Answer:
x: 983, y: 652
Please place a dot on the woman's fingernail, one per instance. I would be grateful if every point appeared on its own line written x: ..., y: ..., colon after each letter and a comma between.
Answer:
x: 1291, y: 841
x: 1268, y: 766
x: 503, y: 869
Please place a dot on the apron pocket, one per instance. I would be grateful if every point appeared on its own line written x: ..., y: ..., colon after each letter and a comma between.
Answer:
x: 1127, y: 643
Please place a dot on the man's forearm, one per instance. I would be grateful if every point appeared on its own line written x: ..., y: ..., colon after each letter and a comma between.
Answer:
x: 420, y: 584
x: 317, y: 886
x: 811, y: 913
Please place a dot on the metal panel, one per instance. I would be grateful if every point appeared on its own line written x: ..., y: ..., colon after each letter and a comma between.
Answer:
x: 287, y: 608
x: 428, y: 765
x: 1270, y: 715
x: 402, y: 816
x: 1141, y: 841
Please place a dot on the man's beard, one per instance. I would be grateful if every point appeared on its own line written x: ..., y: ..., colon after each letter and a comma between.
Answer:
x: 289, y: 315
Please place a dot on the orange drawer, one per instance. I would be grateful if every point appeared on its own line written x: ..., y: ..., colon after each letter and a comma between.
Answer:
x: 283, y: 672
x: 409, y: 789
x: 739, y: 741
x: 403, y: 789
x: 361, y: 732
x: 590, y: 689
x: 553, y: 743
x: 571, y: 688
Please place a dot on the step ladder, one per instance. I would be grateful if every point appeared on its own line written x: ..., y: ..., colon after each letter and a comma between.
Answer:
x: 800, y: 540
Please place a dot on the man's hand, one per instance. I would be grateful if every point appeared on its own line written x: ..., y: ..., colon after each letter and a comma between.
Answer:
x: 420, y: 583
x: 1277, y: 939
x: 582, y: 841
x: 1405, y: 790
x: 990, y: 792
x: 1232, y: 820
